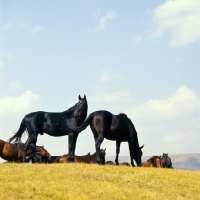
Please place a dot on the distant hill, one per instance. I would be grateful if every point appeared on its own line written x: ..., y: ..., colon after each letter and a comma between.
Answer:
x: 179, y: 161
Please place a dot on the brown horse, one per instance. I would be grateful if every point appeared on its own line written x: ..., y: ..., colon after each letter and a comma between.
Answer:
x: 146, y: 164
x: 14, y: 152
x: 155, y: 161
x: 113, y: 163
x: 84, y: 159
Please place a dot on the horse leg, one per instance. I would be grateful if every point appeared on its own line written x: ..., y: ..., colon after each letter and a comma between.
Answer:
x: 71, y: 147
x: 26, y: 146
x: 33, y: 147
x: 131, y: 143
x: 117, y: 151
x: 98, y: 142
x: 74, y: 145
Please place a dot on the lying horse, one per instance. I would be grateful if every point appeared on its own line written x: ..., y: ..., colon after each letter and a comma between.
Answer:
x: 14, y: 152
x: 146, y: 164
x: 117, y: 128
x: 53, y: 124
x: 165, y: 161
x: 84, y: 159
x: 155, y: 161
x: 121, y: 164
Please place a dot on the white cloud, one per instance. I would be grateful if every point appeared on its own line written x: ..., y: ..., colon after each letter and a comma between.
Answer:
x: 7, y: 26
x: 179, y: 18
x: 36, y: 29
x: 103, y: 21
x: 15, y: 105
x: 137, y: 39
x: 1, y: 63
x: 169, y: 125
x: 105, y: 76
x: 19, y: 24
x: 181, y: 104
x: 14, y: 86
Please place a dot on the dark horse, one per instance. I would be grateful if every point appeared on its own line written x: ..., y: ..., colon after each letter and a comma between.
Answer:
x: 118, y: 128
x: 165, y: 161
x: 53, y: 124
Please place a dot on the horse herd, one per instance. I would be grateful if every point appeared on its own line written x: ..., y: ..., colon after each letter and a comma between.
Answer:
x: 71, y: 122
x: 14, y: 153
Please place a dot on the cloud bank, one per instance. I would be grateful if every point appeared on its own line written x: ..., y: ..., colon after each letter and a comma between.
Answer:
x: 180, y: 19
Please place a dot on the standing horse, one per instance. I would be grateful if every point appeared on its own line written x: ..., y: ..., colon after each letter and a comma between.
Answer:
x: 53, y: 124
x: 117, y: 128
x: 14, y: 152
x: 165, y: 161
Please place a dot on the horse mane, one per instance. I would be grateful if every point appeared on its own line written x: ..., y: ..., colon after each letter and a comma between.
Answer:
x: 71, y: 109
x: 122, y: 115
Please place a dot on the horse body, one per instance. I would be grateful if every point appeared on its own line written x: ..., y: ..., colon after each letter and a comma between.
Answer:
x: 53, y: 124
x: 146, y: 164
x: 165, y: 161
x: 84, y: 159
x: 155, y: 161
x: 14, y: 152
x: 117, y: 128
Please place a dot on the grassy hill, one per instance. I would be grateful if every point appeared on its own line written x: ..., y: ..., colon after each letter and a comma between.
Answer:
x: 91, y: 181
x: 179, y: 161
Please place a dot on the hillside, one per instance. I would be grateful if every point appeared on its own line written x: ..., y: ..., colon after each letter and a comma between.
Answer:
x: 91, y: 181
x: 179, y: 161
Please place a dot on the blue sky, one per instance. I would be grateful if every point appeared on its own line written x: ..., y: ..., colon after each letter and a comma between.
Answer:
x: 137, y: 58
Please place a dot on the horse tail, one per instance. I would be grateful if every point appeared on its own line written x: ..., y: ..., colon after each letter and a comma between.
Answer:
x: 84, y: 125
x: 17, y: 136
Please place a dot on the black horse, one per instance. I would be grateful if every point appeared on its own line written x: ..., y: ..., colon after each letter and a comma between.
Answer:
x: 165, y: 161
x: 53, y: 124
x: 118, y: 128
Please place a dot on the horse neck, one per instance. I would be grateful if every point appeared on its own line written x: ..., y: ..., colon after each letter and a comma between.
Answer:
x: 69, y: 110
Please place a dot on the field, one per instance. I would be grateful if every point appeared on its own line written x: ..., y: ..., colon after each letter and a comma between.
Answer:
x: 90, y: 181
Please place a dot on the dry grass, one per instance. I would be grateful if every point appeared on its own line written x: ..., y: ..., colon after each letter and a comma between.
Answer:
x: 90, y: 181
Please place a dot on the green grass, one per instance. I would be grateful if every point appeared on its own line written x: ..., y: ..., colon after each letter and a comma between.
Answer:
x: 90, y: 181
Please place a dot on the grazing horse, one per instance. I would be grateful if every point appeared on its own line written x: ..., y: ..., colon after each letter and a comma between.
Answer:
x: 117, y: 128
x: 53, y: 124
x: 14, y: 152
x: 165, y: 161
x: 85, y: 159
x: 155, y: 161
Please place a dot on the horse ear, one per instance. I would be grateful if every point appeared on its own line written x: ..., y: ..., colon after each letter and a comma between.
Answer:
x: 142, y: 146
x: 79, y: 97
x: 84, y: 97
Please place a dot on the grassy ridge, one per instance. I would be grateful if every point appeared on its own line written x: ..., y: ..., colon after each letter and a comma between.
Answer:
x: 90, y: 181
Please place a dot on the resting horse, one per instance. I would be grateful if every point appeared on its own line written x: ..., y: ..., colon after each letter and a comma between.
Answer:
x: 53, y: 124
x: 146, y: 164
x: 165, y: 161
x: 14, y: 152
x: 85, y: 159
x: 155, y: 161
x: 117, y: 128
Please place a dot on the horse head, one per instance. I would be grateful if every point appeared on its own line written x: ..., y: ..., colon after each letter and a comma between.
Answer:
x: 137, y: 155
x: 80, y: 109
x: 43, y: 152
